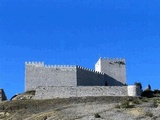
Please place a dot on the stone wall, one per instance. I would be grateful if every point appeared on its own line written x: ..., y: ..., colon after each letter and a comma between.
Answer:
x: 80, y: 91
x: 37, y: 74
x: 134, y: 90
x: 115, y: 68
x: 2, y: 95
x: 87, y: 77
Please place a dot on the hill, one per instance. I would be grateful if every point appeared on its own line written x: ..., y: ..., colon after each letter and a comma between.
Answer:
x: 106, y: 108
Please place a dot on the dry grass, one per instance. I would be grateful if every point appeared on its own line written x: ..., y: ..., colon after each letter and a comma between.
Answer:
x: 21, y: 109
x: 43, y: 109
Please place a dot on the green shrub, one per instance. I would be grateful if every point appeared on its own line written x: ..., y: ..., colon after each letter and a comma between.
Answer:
x: 125, y: 104
x: 136, y: 101
x: 144, y: 99
x: 96, y: 115
x: 149, y: 114
x: 147, y: 93
x: 156, y: 102
x: 138, y: 84
x: 117, y: 106
x: 156, y: 91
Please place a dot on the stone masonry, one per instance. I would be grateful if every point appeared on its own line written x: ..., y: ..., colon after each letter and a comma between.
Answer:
x: 38, y: 74
x: 115, y: 68
x: 80, y: 91
x: 63, y: 81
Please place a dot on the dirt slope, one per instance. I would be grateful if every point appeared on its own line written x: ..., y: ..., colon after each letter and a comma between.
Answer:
x: 87, y: 108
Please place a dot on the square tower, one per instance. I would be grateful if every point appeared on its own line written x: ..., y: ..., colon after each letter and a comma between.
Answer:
x: 115, y: 68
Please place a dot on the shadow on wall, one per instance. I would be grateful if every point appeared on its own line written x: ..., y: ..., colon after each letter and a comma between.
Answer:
x: 109, y: 81
x: 88, y: 78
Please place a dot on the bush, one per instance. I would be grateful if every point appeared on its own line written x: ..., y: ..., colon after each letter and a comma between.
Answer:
x: 136, y: 101
x: 156, y: 91
x: 117, y: 106
x: 96, y: 115
x: 144, y: 99
x: 125, y: 104
x: 138, y: 84
x: 156, y: 102
x: 147, y: 93
x: 149, y: 114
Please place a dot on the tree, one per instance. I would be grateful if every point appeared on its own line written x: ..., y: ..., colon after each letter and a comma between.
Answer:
x: 138, y: 84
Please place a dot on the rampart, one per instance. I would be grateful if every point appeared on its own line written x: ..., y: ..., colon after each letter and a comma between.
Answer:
x: 64, y: 81
x: 38, y: 74
x: 80, y: 91
x: 2, y: 95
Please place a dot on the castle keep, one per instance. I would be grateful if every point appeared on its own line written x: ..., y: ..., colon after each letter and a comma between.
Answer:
x: 50, y: 81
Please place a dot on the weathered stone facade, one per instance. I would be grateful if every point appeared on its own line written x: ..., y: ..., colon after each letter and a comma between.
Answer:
x: 84, y: 91
x: 80, y: 91
x: 2, y: 95
x: 134, y: 90
x: 115, y: 68
x: 38, y: 74
x: 63, y: 81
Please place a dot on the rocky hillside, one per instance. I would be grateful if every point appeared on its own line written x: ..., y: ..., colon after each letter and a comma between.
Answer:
x: 86, y: 108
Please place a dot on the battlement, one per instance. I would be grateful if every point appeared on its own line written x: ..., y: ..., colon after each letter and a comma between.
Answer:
x: 60, y: 66
x: 90, y: 70
x: 40, y: 64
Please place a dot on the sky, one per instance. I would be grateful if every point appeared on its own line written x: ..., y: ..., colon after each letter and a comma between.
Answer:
x: 78, y: 32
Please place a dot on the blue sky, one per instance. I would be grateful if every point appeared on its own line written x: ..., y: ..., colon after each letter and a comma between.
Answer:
x: 79, y: 32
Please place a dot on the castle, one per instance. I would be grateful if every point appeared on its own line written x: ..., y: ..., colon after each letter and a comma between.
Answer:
x: 63, y: 81
x: 108, y: 72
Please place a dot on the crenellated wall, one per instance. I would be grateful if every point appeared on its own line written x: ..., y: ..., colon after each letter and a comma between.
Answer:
x: 88, y: 77
x: 64, y: 81
x: 38, y: 74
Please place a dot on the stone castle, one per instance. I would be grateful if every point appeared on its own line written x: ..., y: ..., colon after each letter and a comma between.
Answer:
x: 63, y: 81
x: 108, y: 72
